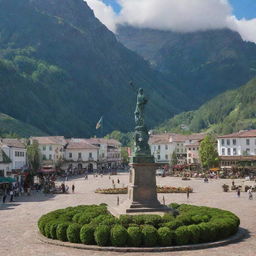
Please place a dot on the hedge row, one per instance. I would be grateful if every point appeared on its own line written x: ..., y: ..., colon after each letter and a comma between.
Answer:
x: 95, y: 225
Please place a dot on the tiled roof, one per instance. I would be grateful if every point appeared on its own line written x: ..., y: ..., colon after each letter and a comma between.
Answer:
x: 110, y: 142
x: 193, y: 145
x: 52, y: 140
x: 241, y: 134
x: 80, y: 145
x: 14, y: 143
x: 160, y: 138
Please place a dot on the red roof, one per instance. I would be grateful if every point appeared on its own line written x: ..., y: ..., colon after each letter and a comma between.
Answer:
x: 240, y: 134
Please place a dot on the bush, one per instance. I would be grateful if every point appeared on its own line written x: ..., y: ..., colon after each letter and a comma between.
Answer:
x: 168, y: 217
x: 73, y: 233
x: 182, y: 235
x: 173, y: 224
x: 61, y: 232
x: 118, y: 236
x: 195, y: 233
x: 47, y: 230
x: 53, y: 230
x: 125, y: 220
x: 150, y: 237
x: 102, y: 235
x: 165, y: 236
x: 134, y: 236
x: 87, y: 234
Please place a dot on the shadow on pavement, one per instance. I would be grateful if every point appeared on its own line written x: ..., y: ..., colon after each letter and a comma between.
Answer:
x: 8, y: 206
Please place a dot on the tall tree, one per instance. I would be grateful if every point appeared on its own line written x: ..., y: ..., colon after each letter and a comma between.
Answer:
x: 174, y: 159
x: 208, y: 152
x: 33, y: 156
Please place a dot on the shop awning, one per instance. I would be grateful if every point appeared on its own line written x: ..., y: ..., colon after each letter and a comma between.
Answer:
x: 215, y: 169
x: 7, y: 180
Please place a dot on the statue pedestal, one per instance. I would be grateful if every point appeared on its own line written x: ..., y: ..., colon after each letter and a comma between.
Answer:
x: 142, y: 194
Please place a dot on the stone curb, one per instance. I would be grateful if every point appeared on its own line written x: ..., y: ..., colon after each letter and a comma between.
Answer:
x: 235, y: 238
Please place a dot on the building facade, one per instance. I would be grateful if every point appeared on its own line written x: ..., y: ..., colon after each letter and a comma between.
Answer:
x: 236, y: 148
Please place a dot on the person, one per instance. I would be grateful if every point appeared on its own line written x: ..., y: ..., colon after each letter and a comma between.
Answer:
x: 63, y: 187
x: 118, y: 181
x: 238, y: 192
x: 73, y: 188
x: 11, y: 194
x: 249, y: 194
x: 4, y: 197
x: 233, y: 183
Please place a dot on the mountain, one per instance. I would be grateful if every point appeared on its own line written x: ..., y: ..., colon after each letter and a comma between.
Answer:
x: 229, y: 112
x: 202, y: 64
x: 13, y: 127
x: 61, y: 69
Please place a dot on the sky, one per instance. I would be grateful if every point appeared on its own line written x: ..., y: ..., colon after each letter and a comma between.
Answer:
x: 179, y: 15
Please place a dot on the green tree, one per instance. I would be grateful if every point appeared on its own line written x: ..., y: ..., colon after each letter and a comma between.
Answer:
x: 33, y: 156
x: 208, y: 152
x: 174, y: 159
x: 124, y: 155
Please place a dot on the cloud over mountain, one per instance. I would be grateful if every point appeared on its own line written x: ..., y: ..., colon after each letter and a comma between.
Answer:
x: 182, y: 15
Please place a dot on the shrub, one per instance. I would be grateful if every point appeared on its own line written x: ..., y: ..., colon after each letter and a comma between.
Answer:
x: 61, y: 231
x: 196, y: 219
x: 195, y: 233
x: 53, y: 230
x: 47, y: 230
x: 168, y: 217
x: 102, y: 235
x: 165, y: 236
x: 118, y: 236
x: 173, y: 224
x: 174, y: 205
x: 125, y: 220
x: 73, y: 233
x: 87, y: 234
x: 182, y: 235
x: 134, y: 236
x: 76, y: 217
x: 150, y: 237
x: 85, y: 218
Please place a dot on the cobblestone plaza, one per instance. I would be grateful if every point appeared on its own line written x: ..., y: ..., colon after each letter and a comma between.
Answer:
x: 19, y: 233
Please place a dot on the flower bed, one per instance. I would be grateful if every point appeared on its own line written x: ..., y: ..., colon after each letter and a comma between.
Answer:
x: 92, y: 224
x: 164, y: 189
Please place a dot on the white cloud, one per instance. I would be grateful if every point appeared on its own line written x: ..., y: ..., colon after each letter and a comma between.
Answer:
x: 104, y: 13
x: 175, y: 15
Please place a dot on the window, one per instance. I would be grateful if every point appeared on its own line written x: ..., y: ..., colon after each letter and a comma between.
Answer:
x: 159, y: 147
x: 189, y: 155
x: 229, y: 152
x: 44, y: 148
x: 178, y: 144
x: 177, y: 150
x: 79, y: 155
x: 223, y: 151
x: 247, y: 151
x: 222, y: 142
x: 255, y: 151
x: 255, y: 141
x: 189, y: 161
x: 70, y: 155
x: 166, y: 147
x: 158, y: 157
x: 194, y: 149
x: 234, y: 152
x: 166, y: 157
x: 44, y: 157
x: 50, y: 157
x: 234, y: 141
x: 50, y: 148
x: 90, y: 155
x: 247, y: 141
x: 189, y: 149
x: 228, y: 142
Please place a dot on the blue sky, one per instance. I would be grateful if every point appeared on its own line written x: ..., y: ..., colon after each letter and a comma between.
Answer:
x: 241, y: 8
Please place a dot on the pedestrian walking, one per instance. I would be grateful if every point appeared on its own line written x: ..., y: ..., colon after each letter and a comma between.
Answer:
x: 118, y: 181
x: 250, y: 194
x: 73, y: 188
x: 11, y: 194
x: 238, y: 192
x: 4, y: 197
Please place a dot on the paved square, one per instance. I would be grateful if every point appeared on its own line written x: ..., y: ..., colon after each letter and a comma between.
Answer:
x: 18, y: 226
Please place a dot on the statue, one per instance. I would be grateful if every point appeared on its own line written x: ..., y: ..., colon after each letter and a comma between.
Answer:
x: 139, y: 111
x: 141, y: 137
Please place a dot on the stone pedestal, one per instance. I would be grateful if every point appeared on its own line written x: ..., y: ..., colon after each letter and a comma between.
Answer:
x: 142, y: 194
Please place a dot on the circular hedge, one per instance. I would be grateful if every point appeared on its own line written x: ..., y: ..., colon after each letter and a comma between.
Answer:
x: 93, y: 224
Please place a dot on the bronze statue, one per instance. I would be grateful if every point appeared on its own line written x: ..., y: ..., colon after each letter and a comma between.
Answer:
x: 139, y: 111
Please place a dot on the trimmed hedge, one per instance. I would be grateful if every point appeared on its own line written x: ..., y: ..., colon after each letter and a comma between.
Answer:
x: 93, y: 224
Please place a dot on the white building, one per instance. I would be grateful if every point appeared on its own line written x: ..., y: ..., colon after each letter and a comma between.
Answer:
x: 237, y: 147
x: 164, y: 145
x: 5, y: 164
x: 109, y: 152
x: 51, y: 148
x: 80, y: 154
x: 16, y: 151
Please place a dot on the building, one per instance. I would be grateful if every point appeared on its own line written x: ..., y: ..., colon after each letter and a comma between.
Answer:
x: 109, y: 152
x: 81, y: 155
x: 237, y: 149
x: 51, y: 148
x: 5, y: 164
x: 164, y: 145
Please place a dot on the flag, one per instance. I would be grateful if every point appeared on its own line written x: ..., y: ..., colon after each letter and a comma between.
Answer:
x: 100, y: 123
